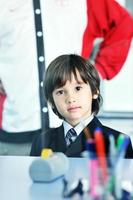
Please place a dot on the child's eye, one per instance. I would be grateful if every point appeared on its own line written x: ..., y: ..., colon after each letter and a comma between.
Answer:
x: 78, y: 88
x: 59, y: 92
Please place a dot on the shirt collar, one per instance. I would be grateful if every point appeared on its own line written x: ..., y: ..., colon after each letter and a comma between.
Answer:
x: 79, y: 127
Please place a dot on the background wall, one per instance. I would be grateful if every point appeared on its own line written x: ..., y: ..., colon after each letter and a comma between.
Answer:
x: 117, y: 110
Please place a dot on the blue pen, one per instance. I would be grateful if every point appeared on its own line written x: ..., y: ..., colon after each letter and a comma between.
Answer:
x: 90, y: 147
x: 122, y: 146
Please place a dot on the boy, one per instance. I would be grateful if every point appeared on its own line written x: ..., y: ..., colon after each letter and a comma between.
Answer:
x: 72, y: 87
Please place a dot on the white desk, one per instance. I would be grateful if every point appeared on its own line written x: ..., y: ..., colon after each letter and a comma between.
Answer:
x: 16, y: 184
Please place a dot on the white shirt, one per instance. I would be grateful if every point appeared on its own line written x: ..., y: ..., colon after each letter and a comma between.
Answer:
x: 79, y: 127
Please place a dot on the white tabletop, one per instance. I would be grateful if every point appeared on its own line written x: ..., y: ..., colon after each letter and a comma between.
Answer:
x: 16, y: 184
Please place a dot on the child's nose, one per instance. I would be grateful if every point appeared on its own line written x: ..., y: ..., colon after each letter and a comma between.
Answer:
x: 70, y: 99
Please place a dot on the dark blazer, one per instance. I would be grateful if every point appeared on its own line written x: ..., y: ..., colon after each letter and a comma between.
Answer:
x: 54, y: 139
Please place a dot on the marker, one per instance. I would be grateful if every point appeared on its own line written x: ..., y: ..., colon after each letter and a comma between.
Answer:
x: 100, y: 149
x: 94, y: 179
x: 122, y: 144
x: 90, y: 147
x: 87, y: 133
x: 112, y: 149
x: 119, y: 140
x: 112, y: 156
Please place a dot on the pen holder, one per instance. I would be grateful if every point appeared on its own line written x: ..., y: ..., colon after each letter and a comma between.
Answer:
x: 115, y: 185
x: 104, y: 185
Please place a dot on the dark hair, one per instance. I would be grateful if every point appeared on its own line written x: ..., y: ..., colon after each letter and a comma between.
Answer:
x: 61, y: 69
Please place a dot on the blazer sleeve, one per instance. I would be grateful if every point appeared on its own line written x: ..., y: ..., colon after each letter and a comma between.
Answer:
x: 41, y: 141
x: 36, y: 147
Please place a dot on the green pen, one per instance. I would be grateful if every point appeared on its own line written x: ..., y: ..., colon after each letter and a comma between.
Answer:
x: 119, y: 141
x: 111, y: 182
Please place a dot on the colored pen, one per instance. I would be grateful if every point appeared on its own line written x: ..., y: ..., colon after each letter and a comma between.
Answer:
x: 112, y: 156
x: 100, y: 148
x: 122, y: 144
x: 112, y: 149
x: 87, y: 133
x: 119, y: 140
x: 93, y: 166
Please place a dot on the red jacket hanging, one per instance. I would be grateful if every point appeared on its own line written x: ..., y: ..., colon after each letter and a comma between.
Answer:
x: 109, y: 20
x: 2, y: 100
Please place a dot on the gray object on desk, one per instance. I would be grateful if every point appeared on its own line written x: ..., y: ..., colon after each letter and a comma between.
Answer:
x: 49, y: 169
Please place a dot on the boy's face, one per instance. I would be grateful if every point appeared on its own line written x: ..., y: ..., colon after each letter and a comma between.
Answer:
x: 74, y: 100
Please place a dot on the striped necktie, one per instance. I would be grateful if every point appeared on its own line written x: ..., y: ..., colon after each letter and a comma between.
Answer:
x: 70, y: 136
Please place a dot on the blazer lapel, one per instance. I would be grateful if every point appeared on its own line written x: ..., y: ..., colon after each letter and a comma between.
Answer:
x: 95, y: 123
x: 60, y: 143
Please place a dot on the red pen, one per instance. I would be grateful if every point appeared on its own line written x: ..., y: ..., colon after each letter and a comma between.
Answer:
x: 101, y: 154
